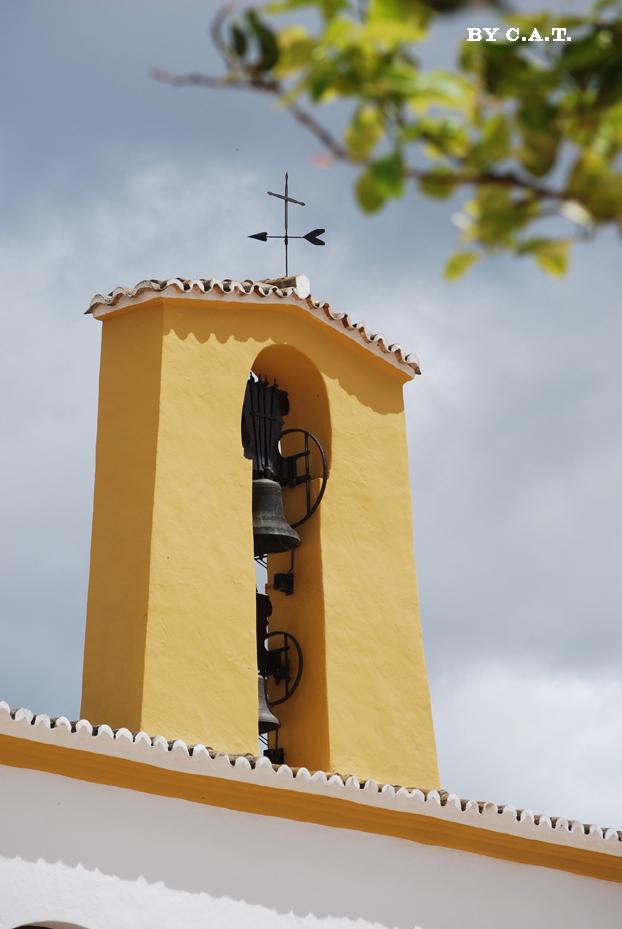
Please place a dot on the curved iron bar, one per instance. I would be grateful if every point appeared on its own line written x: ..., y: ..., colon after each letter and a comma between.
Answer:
x: 289, y: 691
x: 307, y: 476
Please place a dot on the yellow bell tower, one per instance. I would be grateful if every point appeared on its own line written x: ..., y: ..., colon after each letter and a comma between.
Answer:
x: 171, y: 620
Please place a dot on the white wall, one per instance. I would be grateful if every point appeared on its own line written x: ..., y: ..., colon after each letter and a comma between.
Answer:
x: 106, y: 858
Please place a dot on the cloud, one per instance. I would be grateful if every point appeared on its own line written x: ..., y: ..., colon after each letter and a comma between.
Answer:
x: 514, y: 455
x: 548, y: 742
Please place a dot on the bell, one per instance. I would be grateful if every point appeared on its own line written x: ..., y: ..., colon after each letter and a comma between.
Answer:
x: 271, y: 531
x: 267, y: 720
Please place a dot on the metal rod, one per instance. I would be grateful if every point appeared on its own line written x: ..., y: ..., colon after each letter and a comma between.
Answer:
x: 286, y: 230
x: 281, y: 197
x: 307, y: 482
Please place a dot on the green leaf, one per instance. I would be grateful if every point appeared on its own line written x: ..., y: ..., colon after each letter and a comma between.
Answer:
x: 340, y: 33
x: 503, y: 71
x: 390, y: 34
x: 441, y: 136
x: 268, y: 45
x: 538, y: 152
x: 321, y: 78
x: 369, y: 193
x: 439, y: 88
x: 497, y: 216
x: 554, y: 260
x: 494, y: 143
x: 459, y: 264
x: 388, y: 172
x: 365, y: 131
x: 597, y: 187
x: 529, y: 246
x: 383, y: 179
x: 550, y: 254
x: 583, y: 57
x: 239, y: 42
x: 541, y: 136
x: 295, y: 49
x: 401, y: 11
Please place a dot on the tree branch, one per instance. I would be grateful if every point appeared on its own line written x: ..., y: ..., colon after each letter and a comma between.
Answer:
x: 260, y: 84
x: 255, y: 81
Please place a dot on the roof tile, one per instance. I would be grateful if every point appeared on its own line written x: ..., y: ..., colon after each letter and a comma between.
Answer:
x: 295, y: 289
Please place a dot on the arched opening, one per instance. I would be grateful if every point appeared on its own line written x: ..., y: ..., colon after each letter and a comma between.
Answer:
x: 292, y: 578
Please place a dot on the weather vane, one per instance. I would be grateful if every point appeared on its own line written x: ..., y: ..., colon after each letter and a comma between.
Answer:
x: 312, y: 237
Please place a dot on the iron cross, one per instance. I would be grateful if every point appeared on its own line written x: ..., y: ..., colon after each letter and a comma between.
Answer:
x: 312, y: 237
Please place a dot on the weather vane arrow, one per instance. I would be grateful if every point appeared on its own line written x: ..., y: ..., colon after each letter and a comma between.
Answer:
x: 313, y: 237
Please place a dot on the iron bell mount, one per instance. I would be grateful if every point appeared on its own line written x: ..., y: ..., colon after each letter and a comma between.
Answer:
x: 262, y: 425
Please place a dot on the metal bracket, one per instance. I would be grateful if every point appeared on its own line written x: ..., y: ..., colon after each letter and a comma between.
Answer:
x: 284, y: 583
x: 284, y: 580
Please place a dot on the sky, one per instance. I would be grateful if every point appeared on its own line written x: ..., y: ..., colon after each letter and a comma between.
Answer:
x: 107, y: 177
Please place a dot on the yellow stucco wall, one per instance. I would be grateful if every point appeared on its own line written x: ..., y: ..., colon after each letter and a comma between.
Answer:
x: 171, y: 617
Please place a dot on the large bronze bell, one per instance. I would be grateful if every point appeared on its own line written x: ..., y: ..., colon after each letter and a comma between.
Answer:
x: 268, y: 722
x: 271, y: 531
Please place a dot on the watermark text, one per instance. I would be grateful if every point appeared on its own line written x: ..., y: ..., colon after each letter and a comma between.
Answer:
x: 513, y: 34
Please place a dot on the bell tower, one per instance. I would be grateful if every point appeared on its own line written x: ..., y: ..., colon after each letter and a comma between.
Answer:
x: 240, y: 421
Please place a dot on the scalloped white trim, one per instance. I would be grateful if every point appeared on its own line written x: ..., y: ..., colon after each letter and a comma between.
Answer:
x: 102, y: 304
x: 197, y: 759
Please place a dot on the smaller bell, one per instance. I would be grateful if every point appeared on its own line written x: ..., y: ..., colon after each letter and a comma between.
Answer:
x: 267, y: 720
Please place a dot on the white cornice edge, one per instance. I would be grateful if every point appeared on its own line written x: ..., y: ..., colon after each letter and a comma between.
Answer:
x: 197, y: 759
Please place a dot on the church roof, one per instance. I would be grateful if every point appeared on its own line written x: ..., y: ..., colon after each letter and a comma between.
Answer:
x: 440, y: 818
x: 293, y: 290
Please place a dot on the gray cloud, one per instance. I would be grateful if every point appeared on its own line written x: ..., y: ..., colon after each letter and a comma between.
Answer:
x: 549, y: 742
